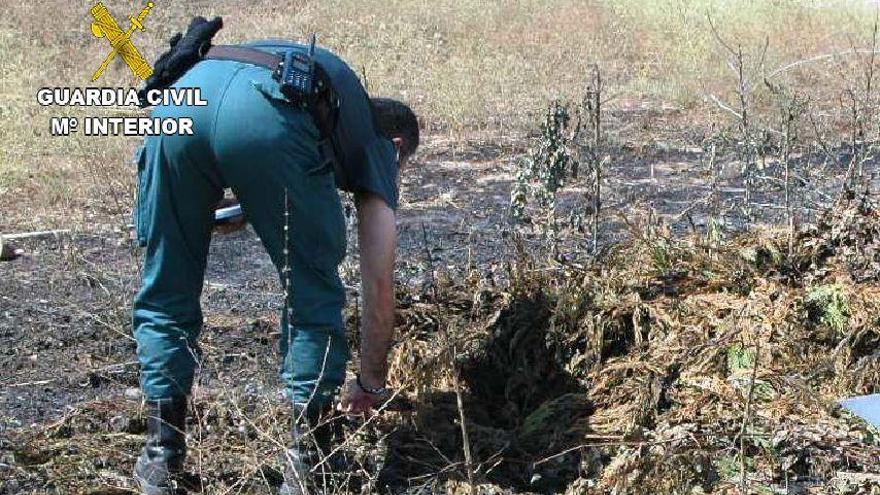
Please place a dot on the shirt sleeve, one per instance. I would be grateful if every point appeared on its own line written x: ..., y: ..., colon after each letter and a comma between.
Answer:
x: 375, y: 171
x: 367, y: 157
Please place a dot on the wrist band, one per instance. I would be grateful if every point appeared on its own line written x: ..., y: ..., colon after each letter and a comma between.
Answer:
x: 369, y: 390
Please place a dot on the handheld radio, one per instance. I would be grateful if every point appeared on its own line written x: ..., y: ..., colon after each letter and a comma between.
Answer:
x: 297, y: 78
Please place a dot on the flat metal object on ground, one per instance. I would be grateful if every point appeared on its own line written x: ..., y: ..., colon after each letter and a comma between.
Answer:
x: 227, y: 213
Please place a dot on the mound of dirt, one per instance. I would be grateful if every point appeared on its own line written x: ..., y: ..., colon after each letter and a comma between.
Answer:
x: 669, y: 366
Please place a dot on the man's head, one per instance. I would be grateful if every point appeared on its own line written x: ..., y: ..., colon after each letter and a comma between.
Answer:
x: 398, y: 122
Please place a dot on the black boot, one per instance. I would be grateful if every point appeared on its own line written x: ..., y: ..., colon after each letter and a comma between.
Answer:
x: 309, y: 467
x: 162, y: 459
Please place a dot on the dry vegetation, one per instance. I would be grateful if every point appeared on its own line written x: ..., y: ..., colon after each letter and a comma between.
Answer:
x: 466, y: 66
x: 687, y: 287
x: 673, y: 366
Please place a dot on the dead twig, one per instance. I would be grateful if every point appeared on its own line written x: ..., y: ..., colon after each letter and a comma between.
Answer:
x: 465, y: 437
x: 746, y: 420
x: 429, y: 261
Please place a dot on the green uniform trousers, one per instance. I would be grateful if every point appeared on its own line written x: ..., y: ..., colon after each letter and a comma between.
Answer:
x: 250, y: 139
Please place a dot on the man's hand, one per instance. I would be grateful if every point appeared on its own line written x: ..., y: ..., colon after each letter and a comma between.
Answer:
x: 357, y: 401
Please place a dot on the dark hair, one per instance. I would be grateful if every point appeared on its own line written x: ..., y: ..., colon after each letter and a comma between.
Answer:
x: 395, y: 118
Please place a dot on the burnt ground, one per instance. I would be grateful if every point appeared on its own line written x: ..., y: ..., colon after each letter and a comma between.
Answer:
x: 65, y: 333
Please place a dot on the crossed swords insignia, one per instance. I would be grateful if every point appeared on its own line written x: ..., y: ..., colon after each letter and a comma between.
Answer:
x: 105, y: 26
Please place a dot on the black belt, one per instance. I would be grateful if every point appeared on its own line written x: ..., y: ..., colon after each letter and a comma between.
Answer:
x: 246, y: 55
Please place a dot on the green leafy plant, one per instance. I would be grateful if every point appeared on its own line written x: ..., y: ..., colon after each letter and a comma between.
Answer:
x: 740, y: 358
x: 565, y: 145
x: 545, y: 170
x: 830, y: 305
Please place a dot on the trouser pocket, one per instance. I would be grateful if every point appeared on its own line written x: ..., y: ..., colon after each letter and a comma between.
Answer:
x: 138, y: 211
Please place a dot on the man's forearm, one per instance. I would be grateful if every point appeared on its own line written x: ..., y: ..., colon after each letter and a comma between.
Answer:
x: 378, y: 239
x: 376, y: 337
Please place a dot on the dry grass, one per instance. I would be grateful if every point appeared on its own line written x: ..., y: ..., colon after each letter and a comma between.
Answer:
x: 464, y: 65
x: 632, y: 376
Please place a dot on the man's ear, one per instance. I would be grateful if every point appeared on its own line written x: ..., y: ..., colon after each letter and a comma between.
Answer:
x: 398, y: 145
